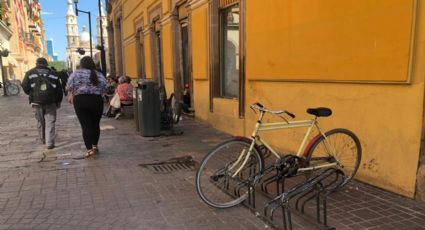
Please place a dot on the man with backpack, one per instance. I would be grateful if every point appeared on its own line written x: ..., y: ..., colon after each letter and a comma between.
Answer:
x: 45, y: 95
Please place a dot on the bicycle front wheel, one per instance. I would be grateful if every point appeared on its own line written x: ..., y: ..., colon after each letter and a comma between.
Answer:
x: 215, y: 181
x: 343, y: 148
x: 12, y: 89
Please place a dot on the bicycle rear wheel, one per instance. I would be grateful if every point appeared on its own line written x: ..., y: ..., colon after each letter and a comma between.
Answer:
x: 12, y: 89
x: 175, y: 109
x: 214, y: 179
x: 344, y: 150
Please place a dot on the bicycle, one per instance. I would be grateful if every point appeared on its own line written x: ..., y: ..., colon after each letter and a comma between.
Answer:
x: 12, y: 89
x: 170, y: 109
x: 240, y: 161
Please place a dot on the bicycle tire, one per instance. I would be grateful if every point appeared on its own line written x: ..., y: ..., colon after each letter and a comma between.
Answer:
x: 348, y: 141
x: 176, y: 109
x: 210, y: 187
x: 162, y: 99
x: 12, y: 89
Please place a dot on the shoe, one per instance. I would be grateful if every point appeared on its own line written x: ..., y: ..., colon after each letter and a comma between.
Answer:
x: 95, y: 150
x: 89, y: 153
x: 51, y: 147
x: 117, y: 116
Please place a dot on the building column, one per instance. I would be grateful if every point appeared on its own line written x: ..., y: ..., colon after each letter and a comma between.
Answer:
x: 111, y: 53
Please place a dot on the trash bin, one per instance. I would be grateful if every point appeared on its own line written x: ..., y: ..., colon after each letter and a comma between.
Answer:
x: 148, y: 108
x: 135, y: 109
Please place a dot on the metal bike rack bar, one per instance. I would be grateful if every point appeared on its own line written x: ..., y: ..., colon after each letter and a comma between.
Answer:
x: 319, y: 186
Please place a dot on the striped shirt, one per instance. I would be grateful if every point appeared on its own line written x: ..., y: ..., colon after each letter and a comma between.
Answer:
x: 79, y: 83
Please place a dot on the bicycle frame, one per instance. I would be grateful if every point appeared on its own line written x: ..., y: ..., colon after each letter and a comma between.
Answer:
x: 259, y: 126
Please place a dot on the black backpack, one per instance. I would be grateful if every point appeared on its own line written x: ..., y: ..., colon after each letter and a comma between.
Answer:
x: 48, y: 89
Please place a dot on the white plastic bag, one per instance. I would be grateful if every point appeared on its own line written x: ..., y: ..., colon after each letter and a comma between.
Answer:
x: 115, y: 101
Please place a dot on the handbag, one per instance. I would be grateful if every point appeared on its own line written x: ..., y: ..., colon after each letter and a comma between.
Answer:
x: 115, y: 101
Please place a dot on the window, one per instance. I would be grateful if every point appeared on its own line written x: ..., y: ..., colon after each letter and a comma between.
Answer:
x: 229, y: 52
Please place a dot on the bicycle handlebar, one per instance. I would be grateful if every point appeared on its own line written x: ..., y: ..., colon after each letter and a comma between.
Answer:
x: 261, y: 108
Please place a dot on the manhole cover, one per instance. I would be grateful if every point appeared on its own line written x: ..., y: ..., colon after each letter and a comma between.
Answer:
x: 185, y: 163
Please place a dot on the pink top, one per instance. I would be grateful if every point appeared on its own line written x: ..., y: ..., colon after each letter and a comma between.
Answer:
x: 125, y: 91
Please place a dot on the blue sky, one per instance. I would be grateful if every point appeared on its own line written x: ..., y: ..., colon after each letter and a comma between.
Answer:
x: 54, y: 18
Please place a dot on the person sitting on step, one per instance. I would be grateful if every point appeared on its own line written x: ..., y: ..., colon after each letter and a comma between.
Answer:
x: 125, y: 92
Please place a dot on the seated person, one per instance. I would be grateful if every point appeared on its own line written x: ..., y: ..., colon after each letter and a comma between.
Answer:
x: 110, y: 90
x: 125, y: 92
x: 186, y: 99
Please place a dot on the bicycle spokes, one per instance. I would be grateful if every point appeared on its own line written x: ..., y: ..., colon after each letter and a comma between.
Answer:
x: 340, y: 147
x: 224, y: 174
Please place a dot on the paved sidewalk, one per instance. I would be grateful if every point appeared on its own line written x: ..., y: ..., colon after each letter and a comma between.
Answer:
x: 42, y: 189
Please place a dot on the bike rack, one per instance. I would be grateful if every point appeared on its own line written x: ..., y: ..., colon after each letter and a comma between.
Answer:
x: 279, y: 176
x: 319, y: 186
x: 280, y: 170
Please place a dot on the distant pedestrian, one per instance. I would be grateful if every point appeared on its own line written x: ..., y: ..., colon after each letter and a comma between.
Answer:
x: 45, y: 95
x: 63, y: 78
x: 85, y: 88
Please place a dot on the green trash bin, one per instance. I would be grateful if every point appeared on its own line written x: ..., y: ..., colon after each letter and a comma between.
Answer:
x: 148, y: 108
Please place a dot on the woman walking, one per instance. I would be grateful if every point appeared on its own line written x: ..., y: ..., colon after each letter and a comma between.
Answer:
x: 85, y: 87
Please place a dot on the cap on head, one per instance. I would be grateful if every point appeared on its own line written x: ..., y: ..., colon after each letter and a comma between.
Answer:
x: 41, y: 62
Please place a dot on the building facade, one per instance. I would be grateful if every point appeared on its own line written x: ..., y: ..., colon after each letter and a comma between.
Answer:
x: 27, y: 42
x: 5, y: 35
x: 51, y: 50
x: 77, y: 40
x: 73, y: 39
x: 368, y: 67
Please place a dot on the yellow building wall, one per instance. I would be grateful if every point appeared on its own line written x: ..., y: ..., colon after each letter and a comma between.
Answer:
x: 371, y: 47
x: 200, y: 62
x: 130, y: 59
x: 388, y: 127
x: 330, y: 39
x: 201, y: 102
x: 297, y: 55
x: 200, y: 42
x: 132, y: 12
x: 167, y: 51
x: 169, y: 86
x: 226, y: 116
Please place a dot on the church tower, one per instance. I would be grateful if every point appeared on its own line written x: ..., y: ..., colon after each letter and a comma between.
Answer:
x: 72, y: 37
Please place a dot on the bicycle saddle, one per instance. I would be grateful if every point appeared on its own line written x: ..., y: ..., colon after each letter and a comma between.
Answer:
x: 320, y: 112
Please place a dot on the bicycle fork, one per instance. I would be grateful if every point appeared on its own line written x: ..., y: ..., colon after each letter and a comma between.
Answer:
x: 245, y: 155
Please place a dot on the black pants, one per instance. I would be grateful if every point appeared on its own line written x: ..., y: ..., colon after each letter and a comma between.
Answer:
x: 89, y: 108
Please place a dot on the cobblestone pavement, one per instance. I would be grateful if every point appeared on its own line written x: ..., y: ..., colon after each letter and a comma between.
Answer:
x: 41, y: 189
